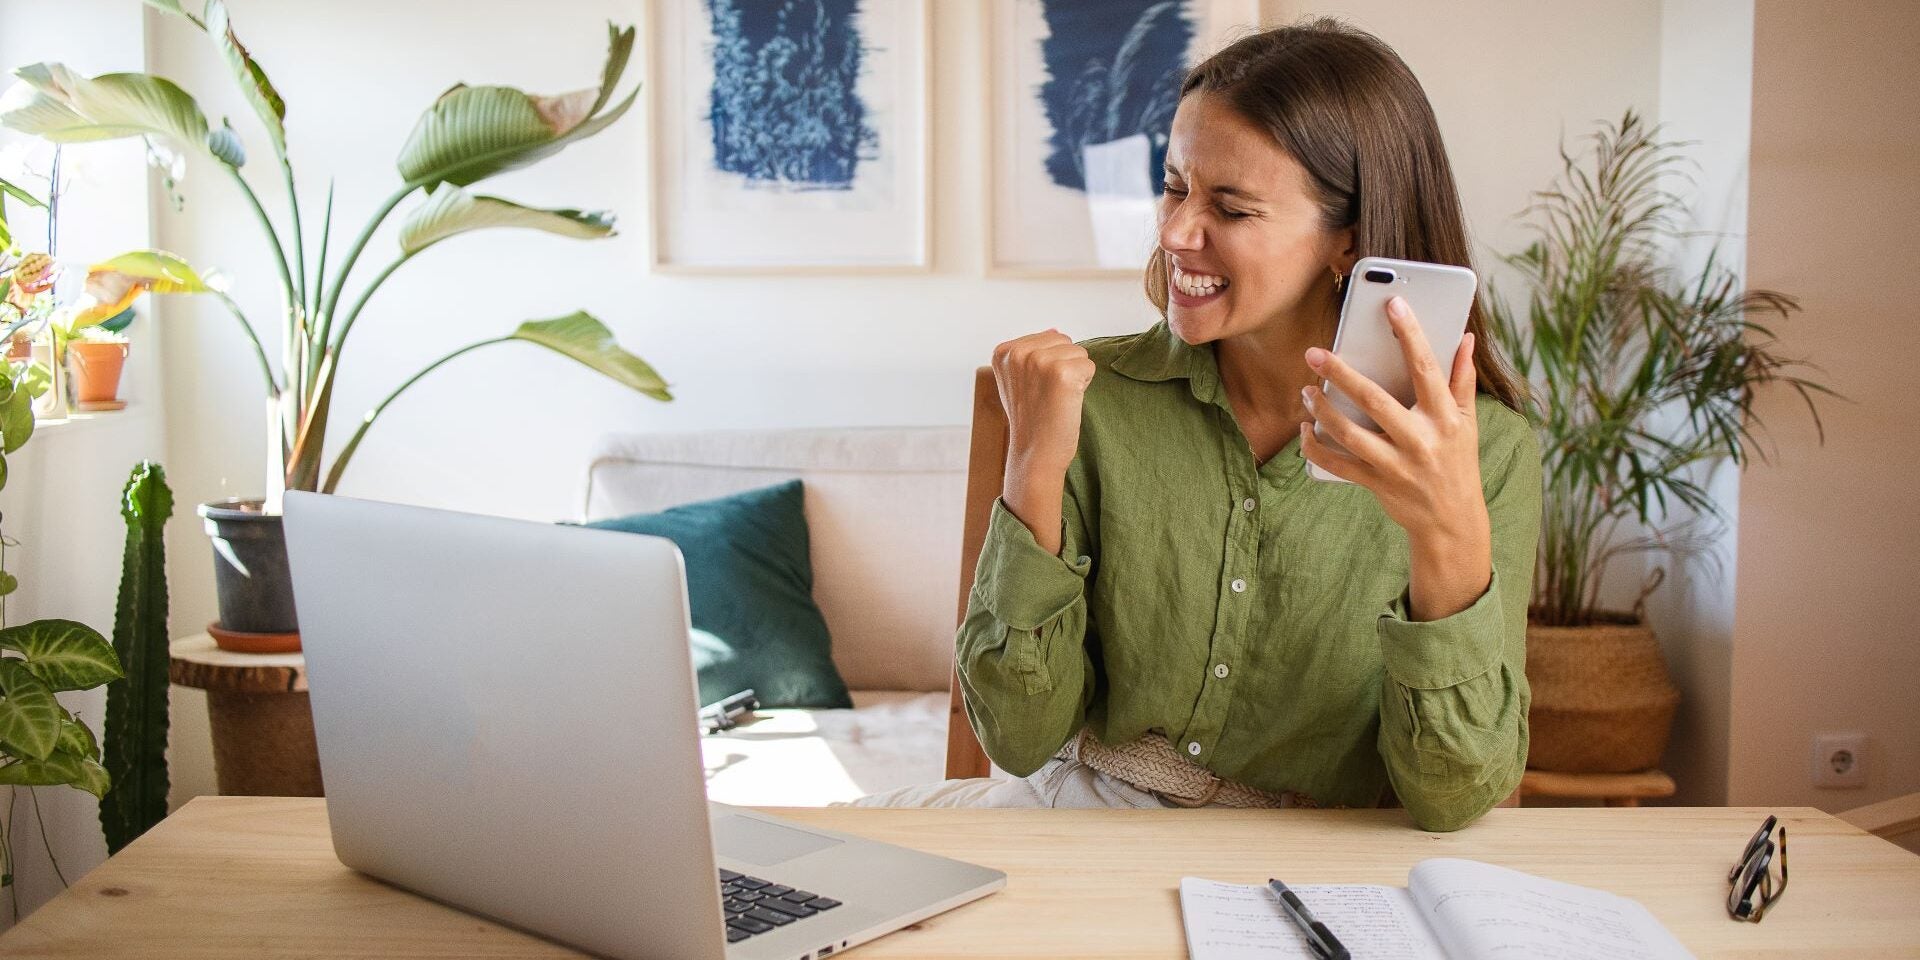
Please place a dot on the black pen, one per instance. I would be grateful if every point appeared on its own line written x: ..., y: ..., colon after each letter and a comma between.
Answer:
x: 1318, y: 936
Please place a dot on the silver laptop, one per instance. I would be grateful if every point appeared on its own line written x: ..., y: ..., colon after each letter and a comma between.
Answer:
x: 506, y: 719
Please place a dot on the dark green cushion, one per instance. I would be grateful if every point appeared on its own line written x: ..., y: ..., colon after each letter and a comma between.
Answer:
x: 750, y: 587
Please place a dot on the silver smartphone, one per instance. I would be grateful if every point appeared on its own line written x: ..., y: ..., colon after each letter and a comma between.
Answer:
x: 1441, y: 296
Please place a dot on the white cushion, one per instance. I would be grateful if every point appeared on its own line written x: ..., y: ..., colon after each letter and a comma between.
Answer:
x: 884, y: 509
x: 811, y: 758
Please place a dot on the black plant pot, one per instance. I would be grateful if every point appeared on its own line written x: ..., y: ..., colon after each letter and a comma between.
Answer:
x: 250, y: 567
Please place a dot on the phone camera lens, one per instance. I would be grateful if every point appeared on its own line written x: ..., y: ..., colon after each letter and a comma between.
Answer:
x: 1379, y: 276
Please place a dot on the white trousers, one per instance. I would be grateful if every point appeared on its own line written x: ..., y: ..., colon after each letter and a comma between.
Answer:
x: 1060, y: 783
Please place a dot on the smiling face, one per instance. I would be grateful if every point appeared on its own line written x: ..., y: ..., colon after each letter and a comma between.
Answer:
x: 1241, y: 230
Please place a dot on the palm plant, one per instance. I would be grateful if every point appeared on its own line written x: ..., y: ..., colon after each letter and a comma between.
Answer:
x: 469, y: 134
x: 1641, y: 376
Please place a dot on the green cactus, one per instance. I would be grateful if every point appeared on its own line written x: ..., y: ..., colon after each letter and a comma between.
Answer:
x: 136, y: 728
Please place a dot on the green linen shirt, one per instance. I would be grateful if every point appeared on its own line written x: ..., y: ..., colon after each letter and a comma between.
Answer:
x: 1256, y: 617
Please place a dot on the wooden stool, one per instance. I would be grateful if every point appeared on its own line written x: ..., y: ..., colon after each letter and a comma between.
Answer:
x: 1612, y: 789
x: 262, y: 724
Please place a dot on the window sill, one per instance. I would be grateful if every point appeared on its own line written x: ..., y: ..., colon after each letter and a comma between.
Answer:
x: 80, y: 424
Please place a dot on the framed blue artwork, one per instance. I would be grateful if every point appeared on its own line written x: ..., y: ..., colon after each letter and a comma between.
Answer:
x: 790, y: 135
x: 1081, y: 94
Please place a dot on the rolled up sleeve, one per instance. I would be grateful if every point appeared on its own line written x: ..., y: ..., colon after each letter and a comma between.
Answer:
x: 1025, y: 674
x: 1453, y: 729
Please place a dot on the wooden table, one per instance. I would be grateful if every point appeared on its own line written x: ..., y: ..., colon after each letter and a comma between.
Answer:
x: 232, y: 877
x: 259, y: 715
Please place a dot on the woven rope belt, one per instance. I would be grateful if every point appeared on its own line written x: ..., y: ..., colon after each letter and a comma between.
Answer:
x: 1152, y: 764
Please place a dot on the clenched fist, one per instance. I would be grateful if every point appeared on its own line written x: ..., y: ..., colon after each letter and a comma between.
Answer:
x: 1042, y: 379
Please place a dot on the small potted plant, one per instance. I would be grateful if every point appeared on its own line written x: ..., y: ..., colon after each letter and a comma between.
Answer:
x: 1643, y: 377
x: 95, y: 358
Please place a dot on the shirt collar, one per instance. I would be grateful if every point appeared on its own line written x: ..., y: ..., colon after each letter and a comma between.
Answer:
x: 1158, y: 355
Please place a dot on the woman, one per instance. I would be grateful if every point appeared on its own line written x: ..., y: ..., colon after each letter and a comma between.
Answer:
x: 1168, y: 609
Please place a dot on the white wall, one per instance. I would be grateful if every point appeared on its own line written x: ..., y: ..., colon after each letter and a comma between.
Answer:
x: 63, y: 492
x: 1706, y: 70
x: 1828, y: 536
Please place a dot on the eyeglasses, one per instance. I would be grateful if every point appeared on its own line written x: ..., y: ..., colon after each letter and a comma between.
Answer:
x: 1752, y: 879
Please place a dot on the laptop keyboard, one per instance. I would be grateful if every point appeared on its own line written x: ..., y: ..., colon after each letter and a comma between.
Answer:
x: 756, y: 906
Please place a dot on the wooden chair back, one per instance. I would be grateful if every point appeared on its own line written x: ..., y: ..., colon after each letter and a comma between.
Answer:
x: 986, y: 466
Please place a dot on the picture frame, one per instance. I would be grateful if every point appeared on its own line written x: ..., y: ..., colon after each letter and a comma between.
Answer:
x: 1050, y: 211
x: 746, y: 180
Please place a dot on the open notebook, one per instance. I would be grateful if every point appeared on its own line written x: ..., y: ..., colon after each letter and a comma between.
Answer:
x: 1449, y: 910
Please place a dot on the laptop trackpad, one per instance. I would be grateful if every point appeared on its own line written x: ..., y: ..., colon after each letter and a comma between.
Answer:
x: 762, y: 843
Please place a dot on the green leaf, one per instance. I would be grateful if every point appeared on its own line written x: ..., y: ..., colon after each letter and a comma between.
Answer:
x: 114, y: 285
x: 21, y: 195
x: 119, y: 322
x: 29, y: 716
x: 164, y: 272
x: 579, y: 336
x: 471, y: 133
x: 253, y: 81
x: 64, y: 654
x: 451, y: 210
x: 619, y: 51
x: 8, y: 583
x: 173, y: 7
x: 56, y: 770
x: 53, y: 102
x: 75, y: 738
x: 37, y: 380
x: 16, y: 420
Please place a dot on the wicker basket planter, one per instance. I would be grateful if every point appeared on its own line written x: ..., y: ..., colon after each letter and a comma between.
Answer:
x: 1602, y: 700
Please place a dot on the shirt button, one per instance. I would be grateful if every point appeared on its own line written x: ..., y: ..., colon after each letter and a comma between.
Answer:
x: 1248, y: 504
x: 1193, y: 747
x: 1238, y: 585
x: 1085, y: 560
x: 1220, y: 670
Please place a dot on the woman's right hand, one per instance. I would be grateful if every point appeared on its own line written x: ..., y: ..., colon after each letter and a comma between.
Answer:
x: 1042, y: 378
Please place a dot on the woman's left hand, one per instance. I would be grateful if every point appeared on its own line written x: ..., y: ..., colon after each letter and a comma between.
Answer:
x: 1424, y: 468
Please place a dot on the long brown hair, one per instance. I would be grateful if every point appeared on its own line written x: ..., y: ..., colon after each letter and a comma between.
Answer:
x: 1340, y: 102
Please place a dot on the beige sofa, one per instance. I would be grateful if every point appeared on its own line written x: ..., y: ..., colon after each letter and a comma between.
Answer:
x: 884, y: 517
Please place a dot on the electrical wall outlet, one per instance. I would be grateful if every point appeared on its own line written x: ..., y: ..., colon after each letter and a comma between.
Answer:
x: 1840, y: 760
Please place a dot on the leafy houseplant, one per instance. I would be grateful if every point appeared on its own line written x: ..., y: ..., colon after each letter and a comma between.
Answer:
x: 41, y: 743
x: 95, y: 358
x: 1641, y: 378
x: 469, y: 134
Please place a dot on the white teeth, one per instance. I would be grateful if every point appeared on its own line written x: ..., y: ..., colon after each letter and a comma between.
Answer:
x: 1197, y: 284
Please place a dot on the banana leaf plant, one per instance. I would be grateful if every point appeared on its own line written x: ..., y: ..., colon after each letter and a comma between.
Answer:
x: 469, y: 134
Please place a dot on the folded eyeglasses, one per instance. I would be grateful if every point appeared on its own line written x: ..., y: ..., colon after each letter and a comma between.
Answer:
x: 1753, y: 888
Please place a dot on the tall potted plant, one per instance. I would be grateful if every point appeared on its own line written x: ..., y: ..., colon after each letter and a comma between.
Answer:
x: 469, y: 134
x: 1644, y: 378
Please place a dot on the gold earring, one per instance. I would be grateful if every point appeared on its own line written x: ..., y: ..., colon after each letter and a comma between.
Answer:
x: 1337, y: 277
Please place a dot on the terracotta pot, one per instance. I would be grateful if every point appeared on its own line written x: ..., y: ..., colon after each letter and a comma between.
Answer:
x: 96, y: 367
x: 20, y: 347
x: 1602, y: 700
